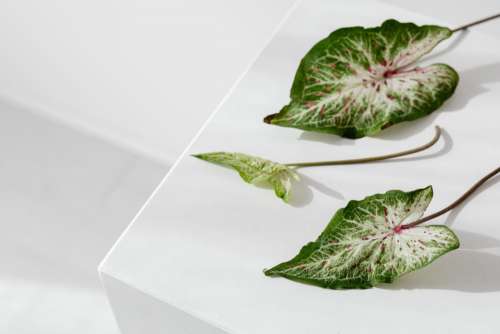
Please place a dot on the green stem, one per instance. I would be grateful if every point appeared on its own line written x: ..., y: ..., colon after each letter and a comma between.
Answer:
x: 456, y: 203
x: 369, y: 159
x: 465, y: 26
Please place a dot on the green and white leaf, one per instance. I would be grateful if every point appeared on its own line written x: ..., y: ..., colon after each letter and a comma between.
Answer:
x: 358, y: 81
x: 256, y: 170
x: 364, y: 245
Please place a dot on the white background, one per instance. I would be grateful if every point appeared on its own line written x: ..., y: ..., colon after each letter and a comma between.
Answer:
x: 144, y: 73
x: 97, y: 100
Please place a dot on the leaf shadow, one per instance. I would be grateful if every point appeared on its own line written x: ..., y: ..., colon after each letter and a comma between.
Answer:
x: 461, y: 270
x: 472, y: 84
x: 468, y: 269
x: 476, y: 241
x: 407, y: 129
x: 326, y: 138
x: 302, y: 193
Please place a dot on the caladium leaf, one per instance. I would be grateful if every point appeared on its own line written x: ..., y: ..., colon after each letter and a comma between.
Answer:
x: 256, y: 170
x: 364, y: 244
x: 358, y: 81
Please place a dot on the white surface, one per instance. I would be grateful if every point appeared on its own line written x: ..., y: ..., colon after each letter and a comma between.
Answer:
x: 144, y: 73
x: 65, y: 197
x: 202, y: 241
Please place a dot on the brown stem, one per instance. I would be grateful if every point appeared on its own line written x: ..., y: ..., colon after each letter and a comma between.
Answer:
x: 465, y: 26
x: 454, y: 204
x: 370, y: 159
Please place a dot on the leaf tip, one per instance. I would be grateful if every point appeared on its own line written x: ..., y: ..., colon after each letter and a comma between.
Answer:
x: 204, y: 156
x: 456, y: 240
x: 197, y: 156
x: 284, y: 195
x: 269, y: 118
x: 268, y: 272
x: 429, y: 189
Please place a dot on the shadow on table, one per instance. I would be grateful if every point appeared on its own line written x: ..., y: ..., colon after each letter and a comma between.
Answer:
x: 468, y: 269
x: 326, y: 138
x: 445, y: 148
x: 302, y: 193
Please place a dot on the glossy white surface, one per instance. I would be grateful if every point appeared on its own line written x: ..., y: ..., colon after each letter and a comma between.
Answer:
x: 202, y: 241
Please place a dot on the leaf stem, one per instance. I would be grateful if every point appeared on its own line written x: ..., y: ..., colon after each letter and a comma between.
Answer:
x: 436, y: 137
x: 456, y: 203
x: 465, y: 26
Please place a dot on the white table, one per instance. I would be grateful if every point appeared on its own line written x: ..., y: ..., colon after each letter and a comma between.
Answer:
x: 192, y: 260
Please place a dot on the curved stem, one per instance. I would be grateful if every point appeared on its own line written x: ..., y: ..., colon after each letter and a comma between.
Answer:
x: 465, y: 26
x: 456, y: 203
x: 370, y: 159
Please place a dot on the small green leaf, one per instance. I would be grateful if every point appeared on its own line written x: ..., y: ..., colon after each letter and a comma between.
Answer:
x: 359, y: 81
x: 364, y: 245
x: 256, y: 170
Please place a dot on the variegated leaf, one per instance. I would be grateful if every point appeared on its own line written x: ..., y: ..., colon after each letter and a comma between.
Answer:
x: 256, y: 170
x: 364, y: 244
x: 358, y: 81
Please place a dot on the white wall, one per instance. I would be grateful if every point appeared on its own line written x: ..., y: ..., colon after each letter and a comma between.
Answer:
x: 146, y: 73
